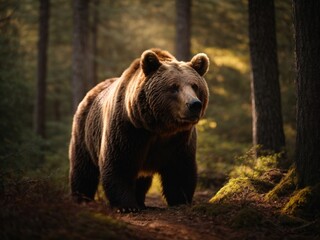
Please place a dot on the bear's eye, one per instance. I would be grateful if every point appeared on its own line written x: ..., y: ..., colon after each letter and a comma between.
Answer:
x: 174, y: 88
x: 195, y: 87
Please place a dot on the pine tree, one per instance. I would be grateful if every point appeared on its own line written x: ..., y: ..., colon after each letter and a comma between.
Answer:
x: 307, y: 35
x: 40, y: 106
x: 266, y: 101
x: 80, y: 50
x: 183, y: 16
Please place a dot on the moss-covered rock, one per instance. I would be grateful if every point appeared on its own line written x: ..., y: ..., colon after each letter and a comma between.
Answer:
x: 285, y: 187
x: 240, y: 188
x: 304, y: 203
x: 265, y: 163
x: 235, y: 188
x: 273, y: 176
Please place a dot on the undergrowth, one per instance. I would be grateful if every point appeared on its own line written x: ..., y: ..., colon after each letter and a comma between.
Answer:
x: 259, y: 195
x: 40, y: 209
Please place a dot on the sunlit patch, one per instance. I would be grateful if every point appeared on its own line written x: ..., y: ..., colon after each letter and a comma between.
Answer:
x: 207, y: 123
x: 219, y: 91
x: 220, y: 78
x: 202, y: 122
x: 155, y: 188
x: 212, y: 124
x: 225, y: 57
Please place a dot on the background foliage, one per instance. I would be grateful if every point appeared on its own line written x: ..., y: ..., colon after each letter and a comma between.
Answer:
x: 125, y: 29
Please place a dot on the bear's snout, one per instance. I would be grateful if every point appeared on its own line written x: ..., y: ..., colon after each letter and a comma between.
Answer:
x: 194, y: 106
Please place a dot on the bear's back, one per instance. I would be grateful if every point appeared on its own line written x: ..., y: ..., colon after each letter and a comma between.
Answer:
x: 92, y: 114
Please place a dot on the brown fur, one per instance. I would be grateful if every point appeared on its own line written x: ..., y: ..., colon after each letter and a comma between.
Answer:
x: 128, y: 128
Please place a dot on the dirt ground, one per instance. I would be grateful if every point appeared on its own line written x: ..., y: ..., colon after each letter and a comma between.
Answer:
x: 161, y: 222
x: 34, y: 209
x: 63, y: 219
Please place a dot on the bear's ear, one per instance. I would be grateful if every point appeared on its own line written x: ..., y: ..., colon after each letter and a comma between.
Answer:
x: 149, y: 62
x: 200, y: 63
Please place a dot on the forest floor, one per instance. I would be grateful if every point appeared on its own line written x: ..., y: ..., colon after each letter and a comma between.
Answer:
x: 160, y: 222
x: 38, y: 209
x: 167, y: 223
x: 163, y: 223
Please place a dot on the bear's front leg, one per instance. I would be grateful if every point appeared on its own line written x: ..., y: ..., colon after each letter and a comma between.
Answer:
x: 120, y: 160
x: 179, y: 177
x: 119, y: 167
x: 119, y: 187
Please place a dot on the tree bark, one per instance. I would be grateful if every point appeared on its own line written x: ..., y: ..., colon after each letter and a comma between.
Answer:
x: 266, y: 101
x: 307, y: 44
x: 40, y: 105
x: 183, y: 31
x: 80, y: 51
x: 93, y: 67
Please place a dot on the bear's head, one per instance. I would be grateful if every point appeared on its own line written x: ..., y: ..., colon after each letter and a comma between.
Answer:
x: 172, y: 95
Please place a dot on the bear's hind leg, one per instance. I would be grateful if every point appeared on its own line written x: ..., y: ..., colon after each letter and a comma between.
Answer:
x: 84, y: 175
x: 142, y: 186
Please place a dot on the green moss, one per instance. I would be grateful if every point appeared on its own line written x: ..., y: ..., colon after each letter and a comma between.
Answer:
x: 250, y: 166
x: 240, y: 187
x: 247, y: 218
x: 265, y: 163
x: 232, y: 189
x: 286, y: 186
x: 304, y: 202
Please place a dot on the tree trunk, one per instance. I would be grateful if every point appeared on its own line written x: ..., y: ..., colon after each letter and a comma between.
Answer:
x: 183, y: 16
x: 80, y: 51
x: 266, y: 101
x: 40, y: 105
x: 93, y: 45
x: 57, y: 104
x: 307, y: 35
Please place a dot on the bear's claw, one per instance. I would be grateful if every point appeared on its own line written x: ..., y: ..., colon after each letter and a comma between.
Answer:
x: 128, y: 210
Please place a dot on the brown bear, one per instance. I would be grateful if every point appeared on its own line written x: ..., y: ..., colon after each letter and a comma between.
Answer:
x: 127, y: 129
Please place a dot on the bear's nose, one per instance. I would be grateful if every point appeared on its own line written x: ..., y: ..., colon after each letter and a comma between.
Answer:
x: 194, y: 106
